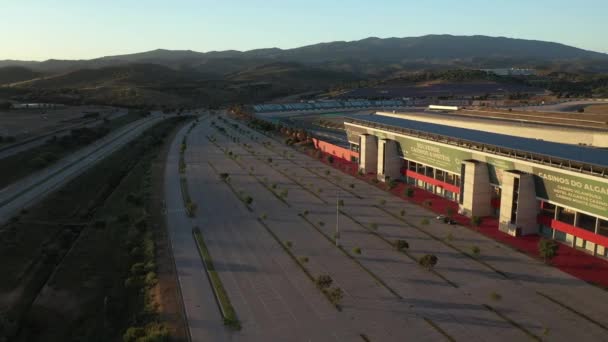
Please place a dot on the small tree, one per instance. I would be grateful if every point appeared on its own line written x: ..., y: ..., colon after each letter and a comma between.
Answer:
x: 335, y: 295
x: 248, y: 200
x: 409, y: 192
x: 401, y: 245
x: 323, y: 281
x: 547, y: 249
x: 428, y: 261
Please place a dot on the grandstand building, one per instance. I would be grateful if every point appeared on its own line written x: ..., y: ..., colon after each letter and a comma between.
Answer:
x: 530, y: 186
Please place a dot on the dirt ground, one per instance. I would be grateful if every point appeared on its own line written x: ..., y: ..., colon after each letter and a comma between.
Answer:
x: 24, y: 123
x: 597, y: 109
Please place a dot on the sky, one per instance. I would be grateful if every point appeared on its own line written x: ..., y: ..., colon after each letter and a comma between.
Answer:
x: 83, y: 29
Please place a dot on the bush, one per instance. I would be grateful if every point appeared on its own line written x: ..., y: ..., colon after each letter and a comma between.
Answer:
x: 428, y: 261
x: 248, y: 200
x: 409, y: 192
x: 289, y: 244
x: 401, y: 245
x: 357, y: 250
x: 224, y: 176
x: 495, y: 296
x: 323, y: 281
x: 547, y: 249
x: 335, y: 295
x: 475, y: 250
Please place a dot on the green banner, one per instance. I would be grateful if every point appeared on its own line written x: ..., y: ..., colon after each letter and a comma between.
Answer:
x: 572, y: 191
x: 496, y: 167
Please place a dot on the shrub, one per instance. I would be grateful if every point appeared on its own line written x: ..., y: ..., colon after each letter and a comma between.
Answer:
x: 289, y: 244
x: 224, y: 176
x: 323, y: 281
x: 263, y: 216
x: 357, y: 250
x: 425, y: 221
x: 248, y: 200
x: 428, y: 261
x: 495, y: 296
x: 321, y: 223
x: 284, y: 193
x: 409, y: 192
x: 303, y: 259
x: 402, y: 212
x: 547, y: 249
x: 401, y: 245
x: 305, y: 213
x: 335, y: 295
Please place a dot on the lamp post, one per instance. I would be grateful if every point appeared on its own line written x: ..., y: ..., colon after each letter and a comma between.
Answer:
x: 337, y: 218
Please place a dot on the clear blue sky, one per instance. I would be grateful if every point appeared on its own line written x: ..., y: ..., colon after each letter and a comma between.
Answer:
x: 72, y: 29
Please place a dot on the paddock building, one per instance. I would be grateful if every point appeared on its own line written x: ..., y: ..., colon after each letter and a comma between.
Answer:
x: 531, y: 186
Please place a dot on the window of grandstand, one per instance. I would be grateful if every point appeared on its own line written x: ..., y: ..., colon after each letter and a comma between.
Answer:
x: 565, y: 215
x: 587, y: 222
x: 603, y: 227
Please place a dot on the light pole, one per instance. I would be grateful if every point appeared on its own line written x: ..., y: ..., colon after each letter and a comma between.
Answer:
x: 337, y: 218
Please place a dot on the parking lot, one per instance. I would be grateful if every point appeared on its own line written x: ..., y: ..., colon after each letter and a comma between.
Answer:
x: 499, y: 294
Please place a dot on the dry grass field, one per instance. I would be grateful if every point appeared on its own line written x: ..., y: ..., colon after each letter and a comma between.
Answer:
x: 24, y: 123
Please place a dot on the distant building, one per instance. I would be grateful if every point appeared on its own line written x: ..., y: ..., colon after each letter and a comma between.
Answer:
x: 511, y: 72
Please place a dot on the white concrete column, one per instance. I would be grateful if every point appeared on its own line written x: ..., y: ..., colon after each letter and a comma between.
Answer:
x: 477, y: 191
x: 389, y: 161
x: 368, y: 152
x: 526, y: 209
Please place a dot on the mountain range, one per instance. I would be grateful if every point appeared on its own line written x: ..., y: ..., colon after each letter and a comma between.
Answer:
x: 300, y: 69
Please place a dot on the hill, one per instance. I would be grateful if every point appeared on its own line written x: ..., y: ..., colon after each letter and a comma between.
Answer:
x: 16, y: 74
x: 366, y: 56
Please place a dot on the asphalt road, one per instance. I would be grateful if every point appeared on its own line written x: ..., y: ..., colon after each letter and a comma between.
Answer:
x: 33, y: 188
x: 18, y: 147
